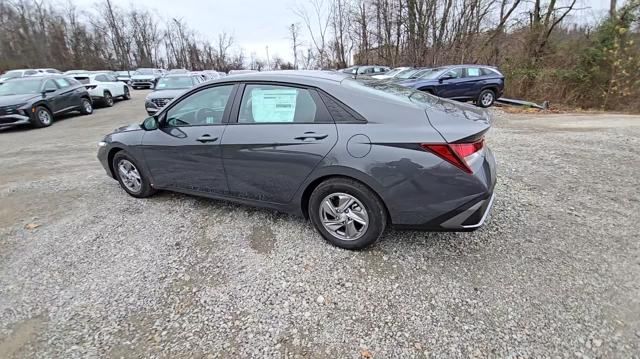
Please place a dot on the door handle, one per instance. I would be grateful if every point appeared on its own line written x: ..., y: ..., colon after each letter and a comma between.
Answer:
x: 206, y: 138
x: 311, y: 135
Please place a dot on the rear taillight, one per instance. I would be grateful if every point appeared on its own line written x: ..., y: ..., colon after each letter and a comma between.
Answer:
x: 455, y: 153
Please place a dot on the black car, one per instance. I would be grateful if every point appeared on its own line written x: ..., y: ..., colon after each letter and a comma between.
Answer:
x: 477, y: 83
x: 37, y: 100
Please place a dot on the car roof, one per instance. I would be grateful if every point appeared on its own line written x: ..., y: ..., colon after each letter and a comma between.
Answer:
x: 303, y: 76
x: 41, y: 76
x: 186, y: 74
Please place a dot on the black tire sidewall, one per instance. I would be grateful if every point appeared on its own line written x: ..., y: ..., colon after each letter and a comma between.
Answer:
x: 82, y: 107
x: 107, y: 96
x: 373, y: 205
x: 127, y: 94
x: 146, y: 190
x: 36, y: 119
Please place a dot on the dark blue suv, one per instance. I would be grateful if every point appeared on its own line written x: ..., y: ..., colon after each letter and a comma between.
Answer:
x: 481, y: 84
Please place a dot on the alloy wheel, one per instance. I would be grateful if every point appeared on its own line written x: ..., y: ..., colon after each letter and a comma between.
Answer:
x: 44, y: 117
x: 88, y: 108
x: 487, y: 99
x: 130, y: 176
x: 344, y: 216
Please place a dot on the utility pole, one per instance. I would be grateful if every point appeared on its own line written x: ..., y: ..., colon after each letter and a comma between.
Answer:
x: 268, y: 61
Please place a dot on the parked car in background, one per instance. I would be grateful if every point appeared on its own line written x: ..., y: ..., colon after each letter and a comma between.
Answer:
x: 178, y: 71
x: 169, y: 87
x: 124, y: 76
x: 38, y: 100
x: 104, y: 87
x: 238, y: 72
x: 49, y: 71
x: 365, y: 70
x: 355, y: 157
x: 145, y: 78
x: 477, y: 83
x: 12, y: 74
x: 212, y: 75
x: 74, y: 72
x: 391, y: 73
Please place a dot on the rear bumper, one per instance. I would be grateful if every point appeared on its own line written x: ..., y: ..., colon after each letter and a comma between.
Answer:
x: 470, y: 212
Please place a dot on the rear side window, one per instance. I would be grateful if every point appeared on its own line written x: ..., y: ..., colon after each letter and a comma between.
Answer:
x: 340, y: 112
x: 474, y: 72
x: 277, y: 104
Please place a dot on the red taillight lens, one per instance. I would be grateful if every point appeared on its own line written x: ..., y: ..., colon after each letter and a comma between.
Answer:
x: 455, y: 153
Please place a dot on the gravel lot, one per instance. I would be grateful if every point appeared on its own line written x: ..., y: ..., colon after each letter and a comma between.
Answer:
x: 554, y: 273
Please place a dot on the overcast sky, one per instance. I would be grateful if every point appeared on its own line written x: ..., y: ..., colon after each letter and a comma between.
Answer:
x: 256, y: 24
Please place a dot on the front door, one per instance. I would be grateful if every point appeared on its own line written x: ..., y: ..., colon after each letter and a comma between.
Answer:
x: 184, y: 153
x: 453, y: 84
x: 276, y: 137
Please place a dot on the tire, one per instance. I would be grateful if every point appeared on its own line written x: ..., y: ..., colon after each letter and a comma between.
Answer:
x: 365, y: 205
x: 86, y: 108
x: 486, y: 98
x: 136, y: 182
x: 42, y: 117
x: 107, y: 100
x: 127, y: 93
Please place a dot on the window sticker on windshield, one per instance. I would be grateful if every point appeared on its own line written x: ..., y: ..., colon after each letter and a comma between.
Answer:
x: 277, y: 105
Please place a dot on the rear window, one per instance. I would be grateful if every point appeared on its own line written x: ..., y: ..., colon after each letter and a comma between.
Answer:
x: 393, y: 91
x: 82, y: 79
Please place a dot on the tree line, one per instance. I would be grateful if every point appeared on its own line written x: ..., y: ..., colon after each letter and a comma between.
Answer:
x: 39, y: 33
x: 542, y: 54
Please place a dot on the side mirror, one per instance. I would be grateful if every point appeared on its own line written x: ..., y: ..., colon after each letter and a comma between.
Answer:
x: 150, y: 123
x: 46, y: 91
x: 444, y: 78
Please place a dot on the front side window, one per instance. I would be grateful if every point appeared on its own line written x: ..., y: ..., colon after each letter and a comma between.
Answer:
x: 30, y: 72
x: 62, y: 83
x: 49, y: 85
x: 455, y: 73
x: 276, y: 104
x: 205, y: 107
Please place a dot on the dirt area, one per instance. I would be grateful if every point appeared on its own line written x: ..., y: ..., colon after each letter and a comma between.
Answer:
x: 87, y: 271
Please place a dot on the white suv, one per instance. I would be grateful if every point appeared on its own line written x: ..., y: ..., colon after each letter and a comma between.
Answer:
x: 104, y: 87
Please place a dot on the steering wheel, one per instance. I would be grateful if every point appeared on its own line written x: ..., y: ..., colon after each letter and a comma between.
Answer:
x: 203, y: 113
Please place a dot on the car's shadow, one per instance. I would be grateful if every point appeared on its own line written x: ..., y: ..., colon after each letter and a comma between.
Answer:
x: 391, y: 236
x: 27, y: 127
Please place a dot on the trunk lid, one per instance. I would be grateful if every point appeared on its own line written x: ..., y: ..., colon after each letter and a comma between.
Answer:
x: 455, y: 121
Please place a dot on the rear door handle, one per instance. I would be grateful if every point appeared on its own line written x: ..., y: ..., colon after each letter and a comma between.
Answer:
x: 311, y: 135
x: 206, y: 138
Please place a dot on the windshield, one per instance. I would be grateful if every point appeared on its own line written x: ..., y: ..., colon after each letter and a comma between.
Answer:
x: 144, y: 72
x: 350, y: 70
x: 11, y: 74
x: 432, y: 74
x: 406, y: 74
x: 395, y: 71
x: 123, y: 73
x: 20, y: 87
x: 181, y: 82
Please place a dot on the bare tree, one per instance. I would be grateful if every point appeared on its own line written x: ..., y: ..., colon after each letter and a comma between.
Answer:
x: 294, y: 36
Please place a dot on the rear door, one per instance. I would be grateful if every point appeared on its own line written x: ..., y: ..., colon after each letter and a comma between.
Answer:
x: 475, y: 79
x: 277, y: 135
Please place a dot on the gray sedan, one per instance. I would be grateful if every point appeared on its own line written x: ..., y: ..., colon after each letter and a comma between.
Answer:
x: 355, y: 157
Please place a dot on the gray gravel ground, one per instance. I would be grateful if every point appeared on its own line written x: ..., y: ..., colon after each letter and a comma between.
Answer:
x: 554, y: 273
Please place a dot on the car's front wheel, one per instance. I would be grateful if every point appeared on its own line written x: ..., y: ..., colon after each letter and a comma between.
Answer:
x: 131, y: 178
x: 486, y: 98
x: 42, y: 117
x: 347, y: 213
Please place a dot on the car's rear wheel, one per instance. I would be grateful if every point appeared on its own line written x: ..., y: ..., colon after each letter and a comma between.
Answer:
x: 42, y: 117
x: 86, y: 108
x: 347, y: 213
x: 131, y: 178
x: 127, y: 93
x: 107, y: 100
x: 486, y: 98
